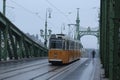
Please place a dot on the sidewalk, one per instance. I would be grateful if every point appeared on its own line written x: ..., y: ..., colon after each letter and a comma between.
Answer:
x: 99, y: 72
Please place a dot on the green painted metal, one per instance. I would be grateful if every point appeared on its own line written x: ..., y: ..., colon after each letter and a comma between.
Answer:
x: 19, y: 47
x: 111, y: 41
x: 0, y: 45
x: 5, y: 32
x: 105, y: 35
x: 77, y: 25
x: 110, y: 38
x: 4, y: 7
x: 15, y: 44
x: 89, y: 32
x: 116, y: 40
x: 79, y: 32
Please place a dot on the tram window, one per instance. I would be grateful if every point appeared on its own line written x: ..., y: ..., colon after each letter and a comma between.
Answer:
x: 63, y: 44
x: 71, y: 45
x: 67, y: 45
x: 56, y: 44
x: 78, y: 46
x: 75, y: 46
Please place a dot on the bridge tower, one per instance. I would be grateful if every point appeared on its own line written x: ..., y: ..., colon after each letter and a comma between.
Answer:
x: 77, y: 36
x: 80, y: 31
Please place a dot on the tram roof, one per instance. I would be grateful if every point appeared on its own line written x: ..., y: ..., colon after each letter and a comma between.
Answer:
x: 63, y: 36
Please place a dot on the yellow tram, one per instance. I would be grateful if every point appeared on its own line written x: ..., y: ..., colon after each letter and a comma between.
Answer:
x: 63, y: 49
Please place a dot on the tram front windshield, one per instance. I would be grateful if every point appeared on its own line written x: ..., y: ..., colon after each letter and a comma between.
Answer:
x: 56, y: 44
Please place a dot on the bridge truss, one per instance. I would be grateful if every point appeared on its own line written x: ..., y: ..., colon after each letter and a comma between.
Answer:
x: 89, y: 31
x: 14, y: 44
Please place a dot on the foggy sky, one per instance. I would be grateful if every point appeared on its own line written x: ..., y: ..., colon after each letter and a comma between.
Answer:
x: 29, y: 15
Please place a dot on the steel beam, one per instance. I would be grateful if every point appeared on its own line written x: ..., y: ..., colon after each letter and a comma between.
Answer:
x: 0, y: 45
x: 15, y: 44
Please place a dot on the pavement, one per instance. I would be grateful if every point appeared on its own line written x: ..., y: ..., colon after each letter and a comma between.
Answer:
x: 99, y: 73
x: 91, y: 70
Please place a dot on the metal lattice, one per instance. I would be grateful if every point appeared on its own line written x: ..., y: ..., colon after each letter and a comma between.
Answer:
x: 14, y: 44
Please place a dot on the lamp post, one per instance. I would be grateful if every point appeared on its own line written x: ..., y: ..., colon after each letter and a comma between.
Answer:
x: 46, y: 35
x: 4, y: 7
x: 77, y: 26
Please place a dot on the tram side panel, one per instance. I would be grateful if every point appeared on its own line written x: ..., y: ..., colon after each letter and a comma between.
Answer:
x: 58, y: 56
x: 63, y: 56
x: 63, y: 50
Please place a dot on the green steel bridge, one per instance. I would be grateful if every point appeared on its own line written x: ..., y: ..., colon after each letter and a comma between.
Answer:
x: 16, y: 45
x: 110, y: 38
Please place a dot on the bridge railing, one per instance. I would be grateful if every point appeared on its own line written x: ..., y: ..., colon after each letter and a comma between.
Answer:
x: 89, y: 29
x: 15, y: 44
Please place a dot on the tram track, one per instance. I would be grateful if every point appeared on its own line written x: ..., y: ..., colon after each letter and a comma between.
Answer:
x: 67, y: 70
x: 5, y: 74
x: 22, y: 68
x: 13, y: 64
x: 42, y: 71
x: 57, y: 71
x: 23, y: 72
x: 45, y: 73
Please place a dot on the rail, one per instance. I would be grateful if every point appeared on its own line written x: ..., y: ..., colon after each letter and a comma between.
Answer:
x: 15, y: 44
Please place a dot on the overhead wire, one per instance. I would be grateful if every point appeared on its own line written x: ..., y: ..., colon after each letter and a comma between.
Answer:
x: 31, y: 12
x: 58, y: 10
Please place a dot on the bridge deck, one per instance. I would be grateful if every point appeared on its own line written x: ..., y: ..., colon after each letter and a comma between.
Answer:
x: 40, y: 69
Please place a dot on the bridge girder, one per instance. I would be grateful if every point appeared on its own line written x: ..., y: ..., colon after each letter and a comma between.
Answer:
x: 94, y: 33
x: 15, y: 44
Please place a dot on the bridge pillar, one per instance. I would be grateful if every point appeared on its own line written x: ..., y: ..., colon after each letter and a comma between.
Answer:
x: 77, y: 25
